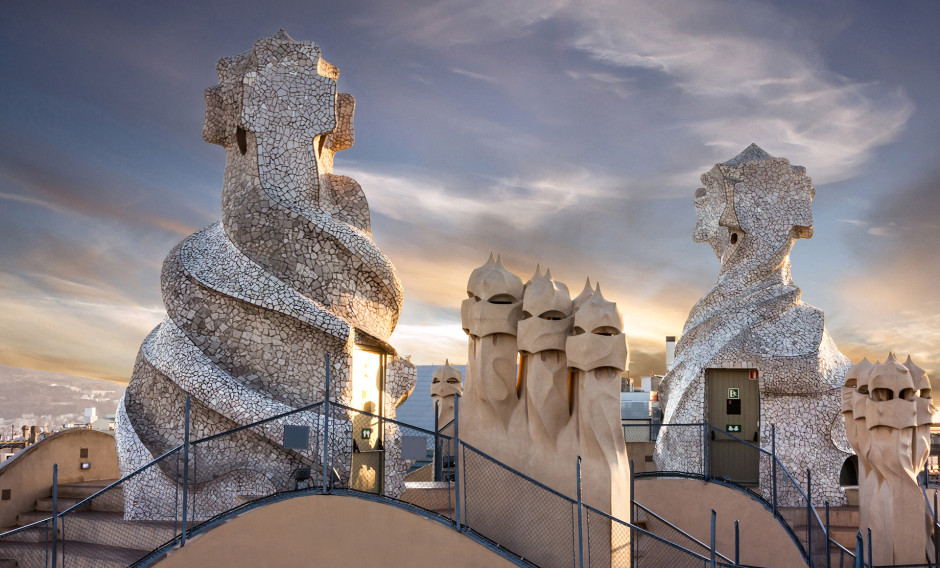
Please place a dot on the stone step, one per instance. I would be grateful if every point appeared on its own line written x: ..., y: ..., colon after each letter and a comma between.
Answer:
x: 844, y: 536
x: 845, y: 516
x: 436, y: 496
x: 112, y: 500
x: 30, y: 517
x: 83, y: 489
x: 102, y: 528
x: 45, y: 504
x: 70, y: 553
x: 41, y: 534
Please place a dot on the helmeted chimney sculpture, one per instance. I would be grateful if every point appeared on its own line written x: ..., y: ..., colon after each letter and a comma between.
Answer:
x: 751, y: 211
x: 446, y: 385
x: 542, y: 388
x: 888, y: 412
x: 256, y: 301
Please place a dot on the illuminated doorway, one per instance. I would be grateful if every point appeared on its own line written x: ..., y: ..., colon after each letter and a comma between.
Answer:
x: 368, y: 437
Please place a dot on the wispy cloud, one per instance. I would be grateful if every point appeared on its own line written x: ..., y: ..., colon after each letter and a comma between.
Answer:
x: 88, y: 191
x: 97, y: 339
x: 757, y: 80
x: 472, y: 75
x: 524, y: 202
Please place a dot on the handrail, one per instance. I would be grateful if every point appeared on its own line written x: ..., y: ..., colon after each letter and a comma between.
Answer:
x: 477, y: 451
x: 100, y: 491
x: 730, y: 435
x: 392, y: 420
x: 257, y: 423
x: 799, y: 488
x: 779, y: 464
x: 587, y: 507
x: 844, y: 549
x: 519, y: 473
x: 800, y: 491
x: 680, y: 531
x: 31, y: 525
x: 645, y: 532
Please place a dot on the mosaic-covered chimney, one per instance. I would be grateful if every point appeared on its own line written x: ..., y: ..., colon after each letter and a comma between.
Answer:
x: 751, y: 211
x: 255, y: 302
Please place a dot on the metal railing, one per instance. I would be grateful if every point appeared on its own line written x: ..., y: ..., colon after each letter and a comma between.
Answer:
x: 328, y: 447
x: 224, y: 471
x: 544, y: 527
x: 667, y: 531
x: 31, y: 544
x: 746, y: 466
x: 613, y: 543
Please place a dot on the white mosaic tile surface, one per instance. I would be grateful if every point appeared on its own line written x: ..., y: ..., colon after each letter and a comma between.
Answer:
x: 255, y: 302
x: 751, y: 211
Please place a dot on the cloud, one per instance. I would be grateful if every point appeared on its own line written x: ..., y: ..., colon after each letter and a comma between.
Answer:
x: 892, y: 302
x: 97, y: 339
x: 103, y: 195
x: 523, y: 202
x: 733, y: 76
x: 476, y: 76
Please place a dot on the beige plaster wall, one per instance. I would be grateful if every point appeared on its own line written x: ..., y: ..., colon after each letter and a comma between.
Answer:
x: 330, y: 530
x: 687, y: 503
x: 28, y: 475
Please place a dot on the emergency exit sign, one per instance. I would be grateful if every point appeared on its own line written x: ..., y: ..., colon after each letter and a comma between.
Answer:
x: 733, y: 428
x: 366, y: 433
x: 734, y: 393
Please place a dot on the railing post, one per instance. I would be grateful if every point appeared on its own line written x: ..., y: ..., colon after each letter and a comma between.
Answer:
x: 326, y: 427
x: 458, y: 455
x: 632, y: 494
x: 936, y: 533
x: 185, y: 473
x: 580, y: 506
x: 737, y: 543
x: 712, y: 559
x: 438, y: 458
x: 55, y: 514
x: 859, y: 551
x: 773, y: 464
x: 809, y: 516
x: 828, y: 538
x: 706, y: 467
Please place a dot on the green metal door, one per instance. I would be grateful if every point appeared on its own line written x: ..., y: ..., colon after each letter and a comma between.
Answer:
x: 733, y: 410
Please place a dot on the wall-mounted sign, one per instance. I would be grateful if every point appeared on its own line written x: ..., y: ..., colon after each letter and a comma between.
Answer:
x: 733, y: 428
x: 734, y: 393
x: 752, y: 374
x: 366, y: 433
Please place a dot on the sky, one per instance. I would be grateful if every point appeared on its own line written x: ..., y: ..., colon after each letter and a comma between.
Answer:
x: 566, y: 133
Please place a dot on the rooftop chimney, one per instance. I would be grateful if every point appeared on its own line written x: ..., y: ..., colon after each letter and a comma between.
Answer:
x: 670, y: 351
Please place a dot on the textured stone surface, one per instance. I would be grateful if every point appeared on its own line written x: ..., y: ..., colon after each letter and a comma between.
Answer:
x: 888, y: 412
x: 751, y: 211
x: 255, y: 302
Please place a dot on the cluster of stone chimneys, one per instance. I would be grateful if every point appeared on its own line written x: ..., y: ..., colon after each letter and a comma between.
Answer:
x: 543, y: 381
